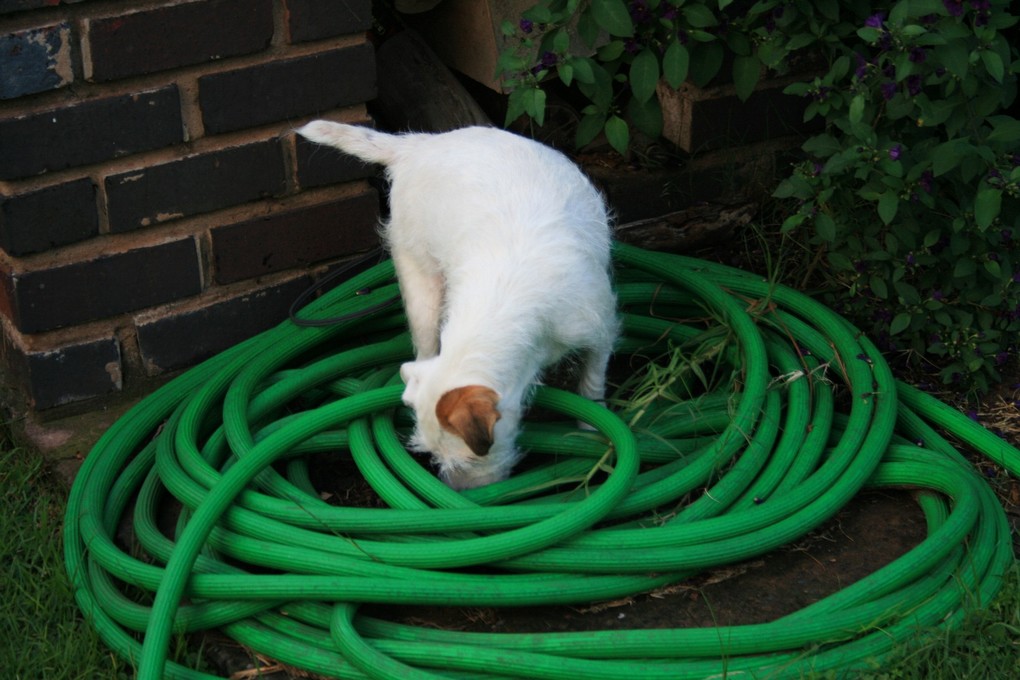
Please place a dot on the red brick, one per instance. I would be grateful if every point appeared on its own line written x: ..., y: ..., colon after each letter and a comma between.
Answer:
x: 184, y: 338
x: 287, y: 89
x: 295, y: 238
x: 48, y: 218
x: 171, y: 36
x: 316, y: 19
x: 194, y: 185
x: 84, y: 291
x: 92, y: 131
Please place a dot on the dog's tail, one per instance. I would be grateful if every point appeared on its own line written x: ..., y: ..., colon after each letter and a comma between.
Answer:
x: 363, y: 142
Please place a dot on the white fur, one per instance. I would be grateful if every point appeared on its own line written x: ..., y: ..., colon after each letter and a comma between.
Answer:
x: 501, y: 248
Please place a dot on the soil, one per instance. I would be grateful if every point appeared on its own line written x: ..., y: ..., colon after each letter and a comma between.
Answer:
x: 867, y: 534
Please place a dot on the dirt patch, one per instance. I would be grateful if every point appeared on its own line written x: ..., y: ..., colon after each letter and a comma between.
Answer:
x: 872, y: 530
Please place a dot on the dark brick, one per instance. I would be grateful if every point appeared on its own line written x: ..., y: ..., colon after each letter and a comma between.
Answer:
x: 168, y: 37
x: 194, y: 185
x: 295, y: 238
x: 11, y: 6
x: 186, y: 338
x: 288, y: 89
x: 95, y: 289
x: 48, y: 218
x: 73, y: 373
x: 318, y: 166
x: 35, y: 60
x: 315, y: 19
x: 90, y: 132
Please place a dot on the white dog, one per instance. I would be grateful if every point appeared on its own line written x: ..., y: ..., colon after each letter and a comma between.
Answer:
x: 501, y: 248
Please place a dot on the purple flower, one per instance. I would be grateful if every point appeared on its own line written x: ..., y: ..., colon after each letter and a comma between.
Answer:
x: 938, y: 296
x: 895, y: 151
x: 549, y: 59
x: 888, y: 90
x: 914, y: 85
x: 911, y: 260
x: 670, y: 13
x: 927, y: 181
x: 954, y: 7
x: 862, y: 65
x: 527, y: 25
x: 632, y: 46
x: 639, y: 11
x: 918, y: 55
x: 875, y: 20
x: 984, y: 11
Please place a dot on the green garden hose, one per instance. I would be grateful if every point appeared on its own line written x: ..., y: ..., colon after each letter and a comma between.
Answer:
x: 764, y: 414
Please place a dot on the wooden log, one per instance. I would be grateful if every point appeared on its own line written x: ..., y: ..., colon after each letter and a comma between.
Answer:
x: 686, y: 230
x: 417, y: 92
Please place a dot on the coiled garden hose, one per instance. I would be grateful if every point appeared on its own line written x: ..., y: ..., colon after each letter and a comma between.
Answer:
x: 783, y: 414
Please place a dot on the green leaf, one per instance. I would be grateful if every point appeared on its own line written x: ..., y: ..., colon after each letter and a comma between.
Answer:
x: 588, y: 128
x: 618, y: 134
x: 856, y: 112
x: 993, y: 268
x: 566, y: 73
x: 993, y: 63
x: 987, y: 206
x: 947, y: 156
x: 540, y: 14
x: 675, y: 63
x: 612, y: 15
x: 878, y: 287
x: 964, y: 268
x: 955, y: 56
x: 699, y: 16
x: 582, y: 70
x: 561, y: 41
x: 587, y: 28
x: 888, y: 205
x: 826, y: 227
x: 646, y: 116
x: 900, y: 323
x: 746, y: 72
x: 706, y: 63
x: 822, y: 145
x: 534, y: 104
x: 840, y: 262
x: 611, y: 51
x: 515, y: 105
x: 644, y: 75
x: 1005, y: 129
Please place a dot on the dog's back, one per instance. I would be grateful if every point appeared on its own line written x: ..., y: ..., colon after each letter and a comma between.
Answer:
x: 501, y: 247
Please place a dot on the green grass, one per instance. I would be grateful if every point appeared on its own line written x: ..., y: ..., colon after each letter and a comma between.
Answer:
x: 43, y: 636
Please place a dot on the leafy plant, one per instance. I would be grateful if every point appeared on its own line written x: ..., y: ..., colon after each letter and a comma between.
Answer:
x: 911, y: 191
x: 909, y: 196
x: 615, y: 52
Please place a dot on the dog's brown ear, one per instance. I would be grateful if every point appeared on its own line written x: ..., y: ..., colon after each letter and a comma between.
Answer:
x: 470, y: 413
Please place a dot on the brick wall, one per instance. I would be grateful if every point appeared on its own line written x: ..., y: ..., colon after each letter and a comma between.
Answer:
x: 155, y: 206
